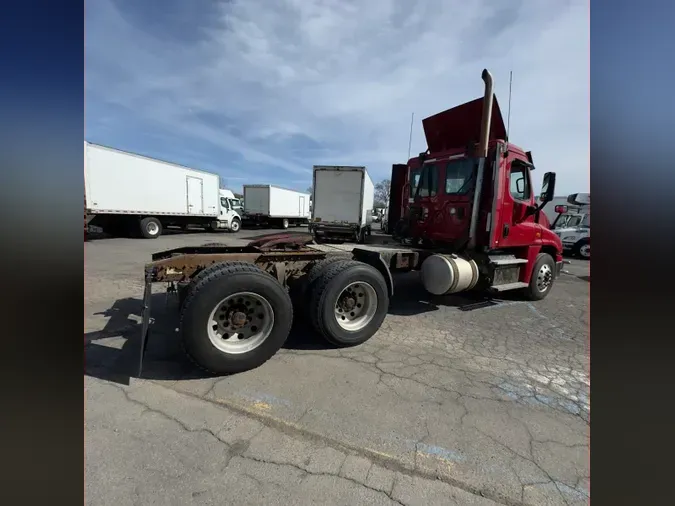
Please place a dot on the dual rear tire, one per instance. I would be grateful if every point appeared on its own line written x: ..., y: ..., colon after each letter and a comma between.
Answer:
x: 235, y: 316
x: 348, y: 301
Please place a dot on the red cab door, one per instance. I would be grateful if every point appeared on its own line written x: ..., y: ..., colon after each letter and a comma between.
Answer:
x: 517, y: 228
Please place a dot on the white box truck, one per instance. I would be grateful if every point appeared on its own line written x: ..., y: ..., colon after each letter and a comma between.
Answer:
x: 130, y: 194
x: 342, y: 203
x: 276, y: 206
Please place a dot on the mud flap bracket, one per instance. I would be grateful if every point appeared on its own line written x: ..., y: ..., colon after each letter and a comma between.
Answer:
x: 374, y: 259
x: 145, y: 320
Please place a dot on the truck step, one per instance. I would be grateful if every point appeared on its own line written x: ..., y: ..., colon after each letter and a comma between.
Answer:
x: 508, y: 286
x: 501, y: 261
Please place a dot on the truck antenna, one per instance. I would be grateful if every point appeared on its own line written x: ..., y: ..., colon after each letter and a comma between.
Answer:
x: 410, y: 138
x: 508, y: 114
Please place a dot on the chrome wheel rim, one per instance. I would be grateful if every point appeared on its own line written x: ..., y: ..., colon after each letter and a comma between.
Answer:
x: 240, y: 323
x: 585, y: 251
x: 544, y: 278
x: 356, y: 306
x: 152, y: 228
x: 235, y: 225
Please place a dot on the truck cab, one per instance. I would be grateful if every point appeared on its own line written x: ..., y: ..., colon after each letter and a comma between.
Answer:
x: 574, y: 226
x: 472, y: 191
x: 230, y: 211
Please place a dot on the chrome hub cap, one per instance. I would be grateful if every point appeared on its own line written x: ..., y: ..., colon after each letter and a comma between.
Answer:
x: 544, y: 278
x: 152, y: 228
x: 356, y: 306
x: 585, y: 251
x: 240, y: 323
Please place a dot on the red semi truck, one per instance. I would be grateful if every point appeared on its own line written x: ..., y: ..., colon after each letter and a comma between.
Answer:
x: 473, y: 219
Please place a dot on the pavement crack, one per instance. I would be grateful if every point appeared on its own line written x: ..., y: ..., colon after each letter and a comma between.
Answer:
x: 306, y: 472
x: 531, y: 460
x: 183, y: 426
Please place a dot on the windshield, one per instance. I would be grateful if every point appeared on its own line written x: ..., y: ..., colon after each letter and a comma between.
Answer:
x: 573, y: 221
x: 586, y: 222
x: 235, y: 202
x: 458, y: 176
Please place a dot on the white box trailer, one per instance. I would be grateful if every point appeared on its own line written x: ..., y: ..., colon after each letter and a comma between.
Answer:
x: 130, y: 194
x: 274, y: 205
x: 342, y: 203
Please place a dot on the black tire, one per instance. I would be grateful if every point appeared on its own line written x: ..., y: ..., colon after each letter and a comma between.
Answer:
x: 532, y: 292
x: 235, y: 226
x: 324, y: 296
x: 181, y: 290
x: 150, y: 228
x: 313, y: 276
x: 582, y: 249
x: 185, y: 288
x: 203, y: 295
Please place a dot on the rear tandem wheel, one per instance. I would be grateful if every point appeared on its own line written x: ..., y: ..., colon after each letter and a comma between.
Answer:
x: 234, y: 318
x: 348, y: 302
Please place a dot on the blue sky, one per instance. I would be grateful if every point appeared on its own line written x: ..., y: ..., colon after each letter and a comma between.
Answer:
x: 259, y: 90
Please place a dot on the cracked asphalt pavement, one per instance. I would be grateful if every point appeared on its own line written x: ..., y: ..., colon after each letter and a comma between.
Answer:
x: 446, y: 404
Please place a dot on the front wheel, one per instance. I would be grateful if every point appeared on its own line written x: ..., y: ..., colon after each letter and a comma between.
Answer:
x: 348, y: 303
x: 151, y: 228
x: 235, y: 318
x: 583, y: 249
x: 284, y: 223
x: 235, y: 226
x: 542, y: 278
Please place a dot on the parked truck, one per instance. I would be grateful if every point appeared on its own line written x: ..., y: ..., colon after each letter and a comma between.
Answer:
x: 232, y: 200
x: 342, y: 203
x: 276, y: 206
x: 477, y: 225
x: 130, y: 194
x: 573, y: 225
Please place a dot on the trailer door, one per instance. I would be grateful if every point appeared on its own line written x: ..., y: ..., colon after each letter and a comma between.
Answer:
x: 195, y: 195
x: 301, y: 206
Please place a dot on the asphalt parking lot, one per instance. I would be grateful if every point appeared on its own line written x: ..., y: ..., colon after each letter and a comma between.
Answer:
x: 444, y: 405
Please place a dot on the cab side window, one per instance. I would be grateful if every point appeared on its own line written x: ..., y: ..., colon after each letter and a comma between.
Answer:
x: 429, y: 183
x: 224, y: 203
x: 519, y: 182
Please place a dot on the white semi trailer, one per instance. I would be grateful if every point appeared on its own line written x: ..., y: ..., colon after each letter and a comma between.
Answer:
x: 342, y: 204
x: 276, y: 206
x: 130, y: 194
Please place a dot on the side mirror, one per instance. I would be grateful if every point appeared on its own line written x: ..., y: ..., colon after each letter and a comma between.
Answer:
x: 548, y: 187
x: 560, y: 209
x: 520, y: 185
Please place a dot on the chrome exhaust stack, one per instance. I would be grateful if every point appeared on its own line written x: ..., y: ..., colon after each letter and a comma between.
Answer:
x: 488, y: 99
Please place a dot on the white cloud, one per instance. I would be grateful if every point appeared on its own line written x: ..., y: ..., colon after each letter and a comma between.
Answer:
x: 288, y: 84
